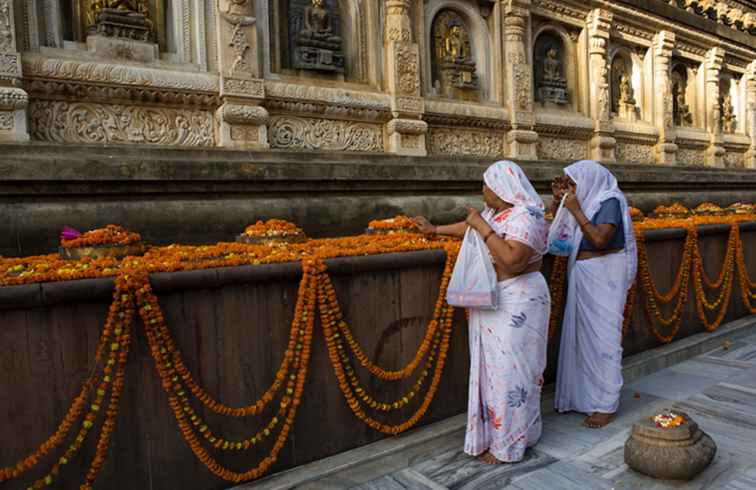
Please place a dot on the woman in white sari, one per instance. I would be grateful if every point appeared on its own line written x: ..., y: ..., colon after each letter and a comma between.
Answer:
x: 601, y: 270
x: 507, y: 345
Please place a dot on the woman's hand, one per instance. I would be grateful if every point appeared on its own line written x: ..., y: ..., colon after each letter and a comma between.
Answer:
x: 475, y: 220
x: 572, y: 204
x: 424, y: 225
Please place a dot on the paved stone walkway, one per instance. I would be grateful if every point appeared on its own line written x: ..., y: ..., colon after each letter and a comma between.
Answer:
x: 717, y: 389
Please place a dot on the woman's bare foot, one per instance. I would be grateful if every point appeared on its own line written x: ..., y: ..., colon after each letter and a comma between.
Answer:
x: 598, y: 420
x: 489, y: 458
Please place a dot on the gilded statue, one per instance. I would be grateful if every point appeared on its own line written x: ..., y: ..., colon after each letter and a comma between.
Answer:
x: 125, y: 6
x: 729, y: 121
x: 455, y: 47
x: 625, y: 90
x: 317, y: 23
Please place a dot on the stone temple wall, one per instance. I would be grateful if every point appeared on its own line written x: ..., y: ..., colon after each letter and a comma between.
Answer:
x: 631, y: 81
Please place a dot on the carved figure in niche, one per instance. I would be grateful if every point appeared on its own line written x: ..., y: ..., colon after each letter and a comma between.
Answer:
x: 623, y: 96
x: 681, y: 114
x: 551, y: 83
x: 729, y: 121
x: 119, y: 18
x: 314, y: 33
x: 452, y: 64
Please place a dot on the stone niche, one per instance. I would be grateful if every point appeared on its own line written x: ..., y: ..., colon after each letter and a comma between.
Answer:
x: 550, y: 71
x: 453, y: 67
x: 683, y: 96
x: 728, y: 104
x: 312, y: 39
x: 621, y: 85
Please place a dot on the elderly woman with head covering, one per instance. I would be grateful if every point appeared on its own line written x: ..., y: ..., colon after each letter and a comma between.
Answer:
x: 601, y: 270
x: 508, y: 345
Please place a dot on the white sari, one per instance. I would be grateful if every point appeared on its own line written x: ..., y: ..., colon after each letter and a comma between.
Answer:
x: 589, y: 376
x: 508, y: 345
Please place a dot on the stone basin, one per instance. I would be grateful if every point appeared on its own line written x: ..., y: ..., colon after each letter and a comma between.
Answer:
x: 677, y: 453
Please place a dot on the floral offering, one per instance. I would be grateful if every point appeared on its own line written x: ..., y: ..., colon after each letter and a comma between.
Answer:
x: 708, y: 208
x: 397, y: 224
x: 636, y: 214
x: 676, y: 210
x: 273, y: 228
x: 668, y: 420
x: 109, y: 235
x: 741, y: 208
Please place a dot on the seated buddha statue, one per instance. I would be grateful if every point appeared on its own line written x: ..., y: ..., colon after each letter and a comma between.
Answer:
x: 552, y: 69
x: 317, y: 24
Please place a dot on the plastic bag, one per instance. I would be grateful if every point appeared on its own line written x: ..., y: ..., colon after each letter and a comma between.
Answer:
x: 473, y: 281
x: 562, y: 232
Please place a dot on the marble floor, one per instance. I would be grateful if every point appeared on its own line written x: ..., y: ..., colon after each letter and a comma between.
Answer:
x: 718, y: 389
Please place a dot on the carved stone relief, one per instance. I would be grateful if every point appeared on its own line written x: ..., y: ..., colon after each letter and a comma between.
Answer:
x: 6, y: 121
x: 561, y: 149
x: 453, y: 68
x: 623, y: 96
x: 324, y: 134
x: 633, y: 152
x: 734, y: 159
x: 680, y: 105
x: 407, y: 70
x: 729, y: 120
x: 690, y: 156
x: 81, y: 122
x: 6, y: 27
x: 461, y: 142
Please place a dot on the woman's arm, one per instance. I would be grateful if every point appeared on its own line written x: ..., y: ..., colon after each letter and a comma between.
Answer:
x: 455, y: 229
x: 598, y: 235
x: 511, y: 256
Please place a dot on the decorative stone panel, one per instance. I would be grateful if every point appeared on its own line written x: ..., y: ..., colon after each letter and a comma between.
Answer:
x: 462, y: 142
x: 303, y: 133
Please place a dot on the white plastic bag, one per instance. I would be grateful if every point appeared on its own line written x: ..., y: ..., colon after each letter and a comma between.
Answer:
x: 473, y: 281
x: 562, y: 231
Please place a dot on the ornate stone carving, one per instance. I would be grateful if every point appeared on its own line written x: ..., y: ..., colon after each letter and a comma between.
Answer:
x: 243, y: 87
x: 244, y: 114
x: 6, y: 27
x: 633, y: 152
x: 79, y: 122
x: 734, y: 159
x: 10, y: 65
x: 731, y: 15
x: 6, y: 121
x: 314, y: 30
x: 680, y: 108
x: 460, y: 142
x: 452, y: 63
x: 664, y: 43
x: 75, y: 91
x: 324, y: 134
x: 690, y: 156
x: 561, y: 149
x: 729, y: 120
x: 561, y: 9
x: 13, y: 99
x: 623, y: 98
x: 41, y: 67
x: 407, y: 70
x: 521, y: 139
x: 238, y: 31
x: 408, y: 105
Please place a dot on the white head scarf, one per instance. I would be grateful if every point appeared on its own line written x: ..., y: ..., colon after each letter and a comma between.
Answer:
x: 524, y: 222
x: 596, y: 184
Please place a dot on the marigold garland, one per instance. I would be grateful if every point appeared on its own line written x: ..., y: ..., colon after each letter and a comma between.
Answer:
x: 109, y: 235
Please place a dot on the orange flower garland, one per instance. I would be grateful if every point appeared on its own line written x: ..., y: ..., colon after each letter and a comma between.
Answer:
x: 400, y: 222
x: 109, y: 235
x: 272, y: 228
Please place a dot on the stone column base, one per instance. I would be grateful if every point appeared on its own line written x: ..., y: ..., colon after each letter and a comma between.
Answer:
x: 750, y: 158
x: 407, y: 137
x: 242, y: 126
x: 715, y: 155
x: 522, y: 144
x: 666, y: 153
x: 602, y: 148
x: 13, y: 104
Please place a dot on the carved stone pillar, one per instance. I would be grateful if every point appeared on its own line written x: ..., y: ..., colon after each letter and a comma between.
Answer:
x: 241, y: 119
x: 406, y: 131
x: 750, y: 157
x: 713, y: 66
x: 603, y: 142
x: 13, y: 100
x: 521, y: 139
x: 666, y: 149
